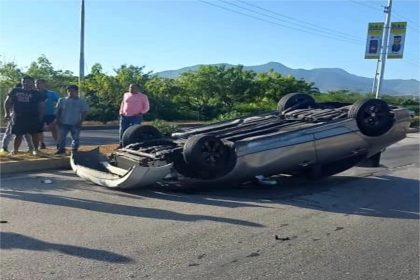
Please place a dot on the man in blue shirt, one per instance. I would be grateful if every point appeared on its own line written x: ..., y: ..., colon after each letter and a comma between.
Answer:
x: 50, y: 115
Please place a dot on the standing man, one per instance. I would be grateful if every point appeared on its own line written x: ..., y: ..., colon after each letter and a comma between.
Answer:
x: 28, y: 108
x: 49, y: 115
x: 71, y: 112
x: 7, y: 136
x: 133, y: 106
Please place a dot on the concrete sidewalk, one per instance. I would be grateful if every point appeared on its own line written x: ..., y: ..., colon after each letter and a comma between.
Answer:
x: 116, y: 126
x: 87, y: 127
x: 22, y: 166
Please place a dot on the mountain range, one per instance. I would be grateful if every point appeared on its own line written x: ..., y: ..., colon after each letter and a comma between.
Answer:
x: 326, y: 79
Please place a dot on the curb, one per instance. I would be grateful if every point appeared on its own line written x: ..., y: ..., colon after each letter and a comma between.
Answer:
x: 89, y: 127
x: 14, y: 167
x: 104, y: 127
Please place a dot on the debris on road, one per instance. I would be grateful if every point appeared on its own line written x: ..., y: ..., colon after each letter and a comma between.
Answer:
x: 285, y: 238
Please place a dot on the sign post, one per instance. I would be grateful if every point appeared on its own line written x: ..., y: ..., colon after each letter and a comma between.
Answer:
x: 384, y: 46
x: 373, y: 46
x: 397, y: 39
x: 379, y: 46
x: 374, y: 40
x: 82, y: 46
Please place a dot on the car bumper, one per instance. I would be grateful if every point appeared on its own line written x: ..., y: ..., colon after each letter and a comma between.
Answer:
x: 94, y: 167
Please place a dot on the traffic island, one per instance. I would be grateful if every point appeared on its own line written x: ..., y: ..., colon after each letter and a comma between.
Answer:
x: 13, y: 167
x: 45, y: 160
x: 26, y: 162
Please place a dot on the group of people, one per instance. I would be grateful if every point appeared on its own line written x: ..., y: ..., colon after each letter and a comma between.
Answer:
x: 30, y: 106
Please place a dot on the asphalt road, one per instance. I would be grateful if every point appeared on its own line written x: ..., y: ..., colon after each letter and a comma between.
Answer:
x: 360, y: 224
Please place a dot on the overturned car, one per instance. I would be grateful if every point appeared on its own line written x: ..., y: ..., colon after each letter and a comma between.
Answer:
x: 302, y: 138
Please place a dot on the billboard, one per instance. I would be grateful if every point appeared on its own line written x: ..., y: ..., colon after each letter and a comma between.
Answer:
x: 397, y: 39
x: 374, y: 40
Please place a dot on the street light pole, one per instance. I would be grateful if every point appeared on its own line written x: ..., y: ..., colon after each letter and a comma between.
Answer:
x: 384, y: 47
x: 82, y: 44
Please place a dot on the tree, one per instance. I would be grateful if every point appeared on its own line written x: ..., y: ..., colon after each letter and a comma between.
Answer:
x: 274, y: 86
x: 237, y: 86
x: 57, y: 79
x: 202, y: 91
x: 41, y: 69
x: 102, y: 92
x: 163, y: 93
x: 10, y: 75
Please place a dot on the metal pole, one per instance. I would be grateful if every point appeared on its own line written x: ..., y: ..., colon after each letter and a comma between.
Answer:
x: 375, y: 79
x: 384, y: 45
x: 82, y: 44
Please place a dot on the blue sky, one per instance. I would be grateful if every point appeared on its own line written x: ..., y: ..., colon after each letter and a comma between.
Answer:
x: 167, y: 35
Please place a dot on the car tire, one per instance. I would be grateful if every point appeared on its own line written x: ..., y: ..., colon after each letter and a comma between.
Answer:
x: 208, y: 157
x: 139, y: 133
x: 296, y: 100
x: 373, y: 116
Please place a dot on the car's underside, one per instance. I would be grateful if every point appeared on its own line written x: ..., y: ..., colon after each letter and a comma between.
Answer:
x: 245, y: 145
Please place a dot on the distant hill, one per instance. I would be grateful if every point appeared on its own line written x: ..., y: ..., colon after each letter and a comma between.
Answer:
x: 325, y: 79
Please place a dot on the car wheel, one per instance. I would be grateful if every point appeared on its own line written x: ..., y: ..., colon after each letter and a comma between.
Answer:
x: 208, y: 157
x: 373, y: 116
x: 295, y: 100
x: 139, y: 133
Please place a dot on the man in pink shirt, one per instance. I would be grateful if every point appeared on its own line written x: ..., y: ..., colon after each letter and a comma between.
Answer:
x: 133, y: 106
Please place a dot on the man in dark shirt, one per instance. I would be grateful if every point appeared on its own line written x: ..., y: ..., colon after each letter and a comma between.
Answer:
x: 27, y: 105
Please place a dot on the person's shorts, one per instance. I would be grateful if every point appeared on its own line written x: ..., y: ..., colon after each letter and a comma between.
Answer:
x: 48, y: 119
x: 25, y: 125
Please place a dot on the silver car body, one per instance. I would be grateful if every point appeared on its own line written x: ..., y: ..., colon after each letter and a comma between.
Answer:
x: 297, y: 146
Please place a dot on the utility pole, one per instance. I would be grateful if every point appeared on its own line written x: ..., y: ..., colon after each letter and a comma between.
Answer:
x: 384, y: 46
x: 82, y: 44
x: 375, y: 79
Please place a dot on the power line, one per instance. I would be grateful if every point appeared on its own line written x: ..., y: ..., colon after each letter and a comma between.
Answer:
x: 396, y: 14
x: 367, y: 5
x: 276, y: 23
x: 407, y: 19
x: 306, y: 24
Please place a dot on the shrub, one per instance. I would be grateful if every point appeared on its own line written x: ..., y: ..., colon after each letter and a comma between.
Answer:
x: 165, y: 128
x: 415, y: 122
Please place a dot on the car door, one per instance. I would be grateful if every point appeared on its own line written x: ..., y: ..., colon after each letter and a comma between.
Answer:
x: 338, y: 142
x: 279, y: 153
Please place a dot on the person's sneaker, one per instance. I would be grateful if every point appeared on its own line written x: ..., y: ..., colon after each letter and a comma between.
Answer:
x: 60, y: 152
x: 35, y: 152
x: 43, y: 145
x: 5, y: 150
x: 13, y: 153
